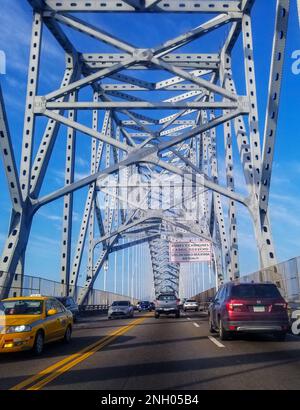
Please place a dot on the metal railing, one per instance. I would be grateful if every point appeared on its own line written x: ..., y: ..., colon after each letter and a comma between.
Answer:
x: 46, y: 287
x: 286, y: 275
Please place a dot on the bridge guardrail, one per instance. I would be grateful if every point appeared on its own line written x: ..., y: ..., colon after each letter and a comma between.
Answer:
x: 36, y: 285
x: 89, y: 310
x: 285, y: 275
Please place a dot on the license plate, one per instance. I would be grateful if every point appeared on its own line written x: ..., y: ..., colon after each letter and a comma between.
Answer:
x: 258, y: 309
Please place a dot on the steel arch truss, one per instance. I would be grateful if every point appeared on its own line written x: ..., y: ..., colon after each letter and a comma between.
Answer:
x: 178, y: 135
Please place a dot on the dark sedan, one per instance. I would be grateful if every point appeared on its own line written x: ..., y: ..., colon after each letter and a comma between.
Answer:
x: 70, y: 304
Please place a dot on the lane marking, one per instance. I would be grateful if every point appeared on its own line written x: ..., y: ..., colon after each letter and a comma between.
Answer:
x: 188, y: 318
x: 215, y: 341
x: 196, y: 324
x: 52, y: 372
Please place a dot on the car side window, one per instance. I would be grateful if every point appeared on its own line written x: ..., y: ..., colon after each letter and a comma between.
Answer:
x: 50, y: 305
x: 222, y: 294
x: 226, y: 292
x: 57, y: 306
x: 217, y: 297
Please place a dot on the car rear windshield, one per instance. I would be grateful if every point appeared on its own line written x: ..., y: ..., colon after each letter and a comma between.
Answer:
x: 21, y: 307
x: 255, y: 291
x: 145, y: 303
x: 121, y: 303
x: 190, y: 301
x: 166, y: 297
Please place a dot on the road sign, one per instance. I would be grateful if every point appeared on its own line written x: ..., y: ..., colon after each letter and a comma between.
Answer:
x: 189, y: 251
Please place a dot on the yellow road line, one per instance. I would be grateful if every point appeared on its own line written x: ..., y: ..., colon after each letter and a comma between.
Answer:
x: 50, y: 373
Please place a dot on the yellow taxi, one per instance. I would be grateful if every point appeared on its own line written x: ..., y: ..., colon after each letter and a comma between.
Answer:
x: 29, y: 322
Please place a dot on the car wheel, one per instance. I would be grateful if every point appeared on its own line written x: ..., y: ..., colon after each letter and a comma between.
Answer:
x: 280, y: 337
x: 156, y: 315
x: 38, y: 346
x: 211, y: 327
x: 177, y: 315
x: 224, y: 334
x: 68, y: 335
x: 75, y: 318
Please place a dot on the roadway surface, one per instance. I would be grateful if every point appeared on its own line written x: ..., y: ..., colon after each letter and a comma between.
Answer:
x: 149, y: 353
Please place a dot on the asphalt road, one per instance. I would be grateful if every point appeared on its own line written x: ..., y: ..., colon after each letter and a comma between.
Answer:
x: 149, y: 353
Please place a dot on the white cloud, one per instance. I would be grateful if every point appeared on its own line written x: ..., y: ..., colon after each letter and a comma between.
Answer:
x: 82, y: 162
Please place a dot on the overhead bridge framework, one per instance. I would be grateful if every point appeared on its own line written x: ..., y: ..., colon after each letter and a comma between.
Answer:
x: 179, y: 135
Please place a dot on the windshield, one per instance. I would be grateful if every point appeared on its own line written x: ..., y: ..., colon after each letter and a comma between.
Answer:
x: 166, y: 297
x: 190, y: 301
x: 21, y: 307
x: 255, y: 291
x: 121, y: 303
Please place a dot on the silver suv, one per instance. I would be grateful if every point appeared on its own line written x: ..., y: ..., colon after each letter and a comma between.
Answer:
x: 191, y: 304
x: 120, y: 308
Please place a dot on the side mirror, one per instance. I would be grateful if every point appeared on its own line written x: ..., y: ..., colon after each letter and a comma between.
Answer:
x: 52, y: 312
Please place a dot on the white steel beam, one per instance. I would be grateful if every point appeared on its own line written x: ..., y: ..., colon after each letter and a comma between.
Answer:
x: 8, y: 158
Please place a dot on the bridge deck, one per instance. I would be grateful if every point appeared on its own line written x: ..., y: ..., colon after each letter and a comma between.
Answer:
x: 167, y: 353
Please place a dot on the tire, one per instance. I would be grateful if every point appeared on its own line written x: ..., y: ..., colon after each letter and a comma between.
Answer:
x: 224, y: 334
x: 280, y: 337
x: 68, y: 335
x: 211, y: 327
x: 38, y: 346
x: 156, y: 315
x: 177, y: 315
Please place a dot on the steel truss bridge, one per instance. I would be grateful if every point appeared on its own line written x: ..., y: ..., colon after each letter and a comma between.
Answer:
x: 131, y: 134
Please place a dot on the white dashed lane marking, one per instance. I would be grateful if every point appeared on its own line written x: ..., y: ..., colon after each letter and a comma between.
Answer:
x: 215, y: 341
x: 196, y: 324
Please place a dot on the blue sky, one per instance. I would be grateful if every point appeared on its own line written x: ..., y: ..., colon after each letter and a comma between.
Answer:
x: 44, y: 245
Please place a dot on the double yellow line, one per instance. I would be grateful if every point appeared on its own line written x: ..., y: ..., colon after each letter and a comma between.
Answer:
x: 41, y: 379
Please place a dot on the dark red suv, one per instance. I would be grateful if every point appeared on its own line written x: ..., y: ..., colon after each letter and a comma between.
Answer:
x: 248, y: 308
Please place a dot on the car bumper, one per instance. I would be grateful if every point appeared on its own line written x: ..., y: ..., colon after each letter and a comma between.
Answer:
x: 118, y: 314
x: 191, y: 307
x: 256, y: 326
x: 166, y: 311
x: 16, y: 343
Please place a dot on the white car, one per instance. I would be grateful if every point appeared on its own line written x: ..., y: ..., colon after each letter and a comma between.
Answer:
x: 120, y: 308
x: 191, y: 304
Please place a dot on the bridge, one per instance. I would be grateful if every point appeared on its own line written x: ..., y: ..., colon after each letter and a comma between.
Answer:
x: 161, y: 126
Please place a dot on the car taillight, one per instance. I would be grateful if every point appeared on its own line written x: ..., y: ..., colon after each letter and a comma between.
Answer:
x: 233, y: 306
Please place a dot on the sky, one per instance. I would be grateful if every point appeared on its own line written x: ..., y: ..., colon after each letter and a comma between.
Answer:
x: 43, y: 253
